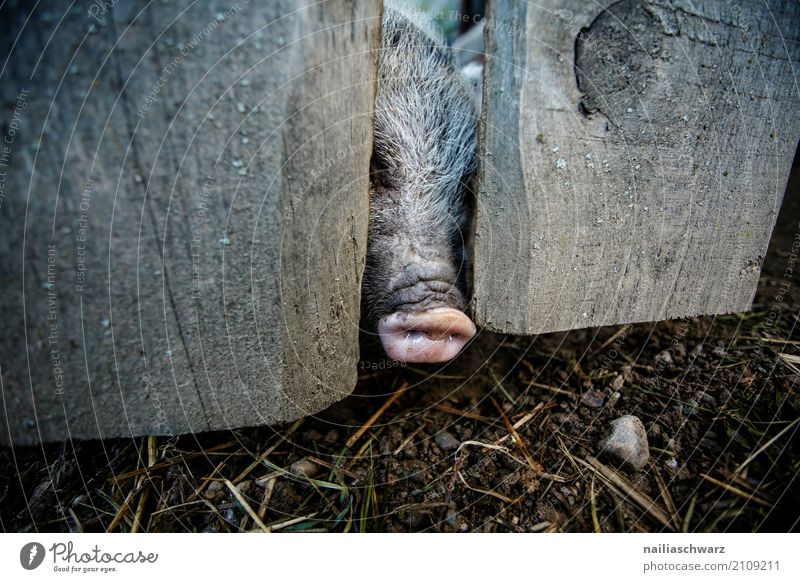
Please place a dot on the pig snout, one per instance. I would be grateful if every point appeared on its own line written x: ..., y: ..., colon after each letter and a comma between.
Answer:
x: 424, y: 157
x: 429, y: 336
x: 416, y: 296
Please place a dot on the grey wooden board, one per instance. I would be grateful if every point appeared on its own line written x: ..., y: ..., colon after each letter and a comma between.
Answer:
x: 227, y: 146
x: 641, y: 182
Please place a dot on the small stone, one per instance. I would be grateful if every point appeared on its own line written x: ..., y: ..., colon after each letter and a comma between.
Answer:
x: 593, y: 398
x: 445, y: 441
x: 618, y: 382
x: 304, y: 468
x: 627, y: 442
x: 213, y: 490
x: 664, y: 358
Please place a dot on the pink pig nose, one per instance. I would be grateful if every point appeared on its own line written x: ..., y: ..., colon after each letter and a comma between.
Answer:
x: 433, y: 335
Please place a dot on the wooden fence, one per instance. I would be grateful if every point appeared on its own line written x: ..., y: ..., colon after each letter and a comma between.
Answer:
x: 185, y: 192
x: 185, y: 214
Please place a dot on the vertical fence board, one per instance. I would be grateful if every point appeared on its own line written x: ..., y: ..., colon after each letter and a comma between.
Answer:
x: 197, y: 174
x: 634, y: 157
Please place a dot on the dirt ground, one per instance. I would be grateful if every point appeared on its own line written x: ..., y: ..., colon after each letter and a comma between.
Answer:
x: 504, y: 439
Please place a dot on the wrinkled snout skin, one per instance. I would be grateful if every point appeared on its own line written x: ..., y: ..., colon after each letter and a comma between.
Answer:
x: 423, y: 161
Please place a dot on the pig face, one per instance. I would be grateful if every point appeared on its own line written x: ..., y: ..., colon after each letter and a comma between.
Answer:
x: 423, y: 160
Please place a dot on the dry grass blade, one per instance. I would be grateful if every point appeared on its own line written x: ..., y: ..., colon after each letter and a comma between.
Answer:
x: 595, y: 520
x: 487, y: 446
x: 289, y: 522
x: 766, y: 445
x: 791, y: 361
x: 689, y: 512
x: 172, y: 508
x: 262, y: 457
x: 152, y: 458
x: 553, y: 389
x: 179, y: 459
x: 523, y: 421
x: 667, y: 497
x: 736, y: 491
x: 332, y: 467
x: 206, y: 480
x: 537, y: 469
x: 120, y: 515
x: 567, y: 454
x: 246, y: 506
x: 303, y: 478
x: 408, y: 439
x: 770, y: 340
x: 269, y: 488
x: 376, y: 415
x: 625, y: 488
x: 488, y: 492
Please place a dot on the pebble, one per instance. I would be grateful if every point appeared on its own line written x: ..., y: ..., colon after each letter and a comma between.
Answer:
x: 593, y: 398
x: 445, y: 441
x: 664, y: 358
x: 627, y: 442
x: 304, y: 468
x: 213, y: 490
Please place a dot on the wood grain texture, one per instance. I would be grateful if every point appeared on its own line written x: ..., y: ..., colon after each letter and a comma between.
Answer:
x: 634, y: 157
x: 197, y: 175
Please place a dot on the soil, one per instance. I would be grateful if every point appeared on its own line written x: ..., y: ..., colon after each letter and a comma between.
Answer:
x: 718, y: 397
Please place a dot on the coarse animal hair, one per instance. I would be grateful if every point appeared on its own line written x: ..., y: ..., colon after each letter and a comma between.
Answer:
x: 424, y: 156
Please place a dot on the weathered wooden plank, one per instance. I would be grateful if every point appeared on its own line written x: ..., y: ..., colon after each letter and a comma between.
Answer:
x: 634, y: 156
x: 197, y: 175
